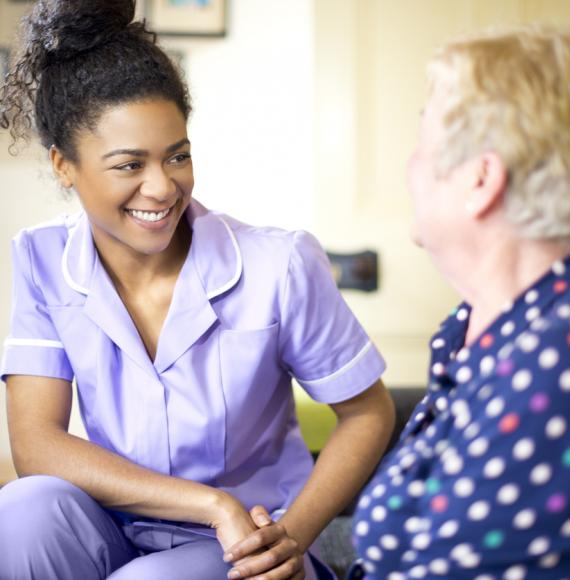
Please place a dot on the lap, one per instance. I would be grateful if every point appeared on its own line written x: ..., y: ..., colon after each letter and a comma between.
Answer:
x: 43, y: 510
x: 51, y: 529
x: 38, y: 503
x: 196, y: 559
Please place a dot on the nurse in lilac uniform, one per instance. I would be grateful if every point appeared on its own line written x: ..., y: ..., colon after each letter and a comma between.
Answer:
x: 182, y: 328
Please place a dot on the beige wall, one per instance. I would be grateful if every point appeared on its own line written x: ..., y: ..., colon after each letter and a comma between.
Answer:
x: 304, y: 117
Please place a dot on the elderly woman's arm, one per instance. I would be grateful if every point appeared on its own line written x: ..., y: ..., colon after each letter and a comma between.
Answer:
x: 365, y: 424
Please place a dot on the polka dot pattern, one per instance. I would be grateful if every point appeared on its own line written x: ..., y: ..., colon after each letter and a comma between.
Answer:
x: 478, y: 510
x: 493, y: 539
x: 508, y: 494
x: 523, y: 449
x: 508, y: 328
x: 478, y: 486
x: 494, y: 468
x: 449, y: 529
x: 524, y: 519
x: 464, y: 487
x: 522, y: 380
x: 509, y: 423
x: 528, y: 342
x: 487, y: 365
x: 478, y: 447
x: 556, y: 427
x: 379, y: 513
x: 549, y: 561
x: 484, y: 392
x: 560, y: 286
x: 556, y: 503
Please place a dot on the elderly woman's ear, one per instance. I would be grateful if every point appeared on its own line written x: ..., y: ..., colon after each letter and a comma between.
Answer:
x: 488, y: 178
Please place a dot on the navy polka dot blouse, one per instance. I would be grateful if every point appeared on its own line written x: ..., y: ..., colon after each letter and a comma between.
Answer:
x: 479, y: 485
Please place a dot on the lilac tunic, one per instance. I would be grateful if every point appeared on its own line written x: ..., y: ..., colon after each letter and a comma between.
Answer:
x: 252, y: 308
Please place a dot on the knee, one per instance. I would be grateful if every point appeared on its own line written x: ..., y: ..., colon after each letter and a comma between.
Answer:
x: 31, y: 505
x: 201, y: 559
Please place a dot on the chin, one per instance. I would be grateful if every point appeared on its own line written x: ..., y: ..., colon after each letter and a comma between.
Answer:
x: 156, y: 250
x: 151, y: 249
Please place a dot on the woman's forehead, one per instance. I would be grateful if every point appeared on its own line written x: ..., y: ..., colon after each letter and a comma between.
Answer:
x: 152, y: 121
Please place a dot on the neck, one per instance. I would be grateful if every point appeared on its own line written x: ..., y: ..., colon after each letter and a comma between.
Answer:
x: 131, y: 271
x: 501, y: 274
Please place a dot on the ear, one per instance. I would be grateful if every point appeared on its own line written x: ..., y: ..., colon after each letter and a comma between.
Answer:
x: 489, y: 181
x: 63, y: 168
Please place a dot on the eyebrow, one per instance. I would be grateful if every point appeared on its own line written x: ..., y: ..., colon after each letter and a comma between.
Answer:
x: 143, y: 152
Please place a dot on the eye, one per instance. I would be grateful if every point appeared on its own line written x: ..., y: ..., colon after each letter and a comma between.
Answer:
x: 179, y: 159
x: 130, y: 166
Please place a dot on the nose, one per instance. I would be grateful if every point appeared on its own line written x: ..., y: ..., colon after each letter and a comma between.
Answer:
x: 158, y: 184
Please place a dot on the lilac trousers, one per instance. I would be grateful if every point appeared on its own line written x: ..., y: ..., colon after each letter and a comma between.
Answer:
x: 52, y: 530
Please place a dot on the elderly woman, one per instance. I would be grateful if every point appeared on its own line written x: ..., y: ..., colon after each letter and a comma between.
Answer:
x: 479, y: 486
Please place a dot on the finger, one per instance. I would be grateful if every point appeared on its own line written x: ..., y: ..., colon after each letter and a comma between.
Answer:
x: 254, y: 542
x: 288, y: 570
x: 260, y: 516
x: 266, y: 561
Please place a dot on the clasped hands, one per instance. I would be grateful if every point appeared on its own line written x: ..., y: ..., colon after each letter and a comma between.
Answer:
x: 264, y: 551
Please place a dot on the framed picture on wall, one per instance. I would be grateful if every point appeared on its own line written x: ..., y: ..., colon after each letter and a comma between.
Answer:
x: 187, y: 17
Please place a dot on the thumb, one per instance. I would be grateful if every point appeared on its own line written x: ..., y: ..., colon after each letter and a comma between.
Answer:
x: 260, y: 516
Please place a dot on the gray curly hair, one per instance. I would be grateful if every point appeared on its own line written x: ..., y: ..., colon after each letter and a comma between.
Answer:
x: 510, y: 93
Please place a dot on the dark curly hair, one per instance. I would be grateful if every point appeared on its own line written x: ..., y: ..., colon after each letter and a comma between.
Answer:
x: 76, y: 58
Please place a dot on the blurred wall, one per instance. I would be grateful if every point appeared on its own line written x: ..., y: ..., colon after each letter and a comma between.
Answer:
x: 305, y: 115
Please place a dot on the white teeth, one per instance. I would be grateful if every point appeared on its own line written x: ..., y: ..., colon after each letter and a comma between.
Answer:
x: 149, y: 216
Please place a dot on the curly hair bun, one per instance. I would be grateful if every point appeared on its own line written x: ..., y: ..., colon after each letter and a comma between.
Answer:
x: 74, y: 59
x: 65, y: 28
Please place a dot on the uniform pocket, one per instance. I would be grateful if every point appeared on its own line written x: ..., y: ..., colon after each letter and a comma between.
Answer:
x: 257, y: 394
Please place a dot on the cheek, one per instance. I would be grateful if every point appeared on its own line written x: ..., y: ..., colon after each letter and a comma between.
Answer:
x: 410, y: 168
x: 420, y: 185
x: 416, y: 176
x: 189, y: 185
x: 186, y: 182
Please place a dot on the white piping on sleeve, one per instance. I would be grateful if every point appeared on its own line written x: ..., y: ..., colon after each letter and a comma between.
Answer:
x: 340, y: 371
x: 33, y: 342
x: 236, y: 276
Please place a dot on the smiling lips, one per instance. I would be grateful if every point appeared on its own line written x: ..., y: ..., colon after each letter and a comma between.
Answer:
x: 149, y: 216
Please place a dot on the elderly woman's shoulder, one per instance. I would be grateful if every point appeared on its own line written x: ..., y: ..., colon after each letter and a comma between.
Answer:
x: 544, y: 349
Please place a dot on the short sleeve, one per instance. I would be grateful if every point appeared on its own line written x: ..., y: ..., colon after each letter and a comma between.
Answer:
x: 33, y: 347
x: 322, y: 344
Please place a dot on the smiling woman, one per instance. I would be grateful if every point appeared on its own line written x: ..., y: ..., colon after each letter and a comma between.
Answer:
x: 182, y: 328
